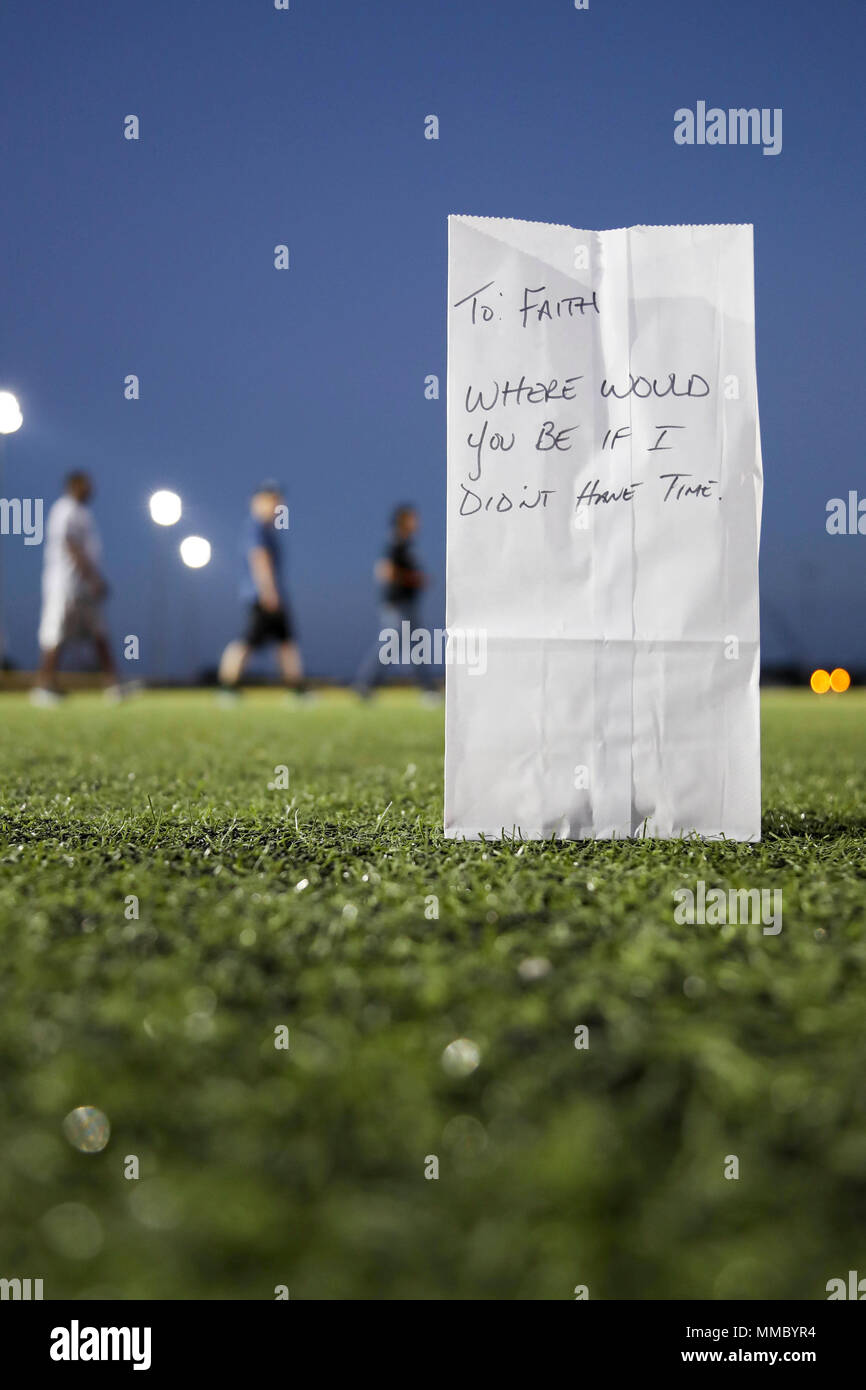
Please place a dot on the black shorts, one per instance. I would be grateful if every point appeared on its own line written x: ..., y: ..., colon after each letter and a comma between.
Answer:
x: 265, y: 626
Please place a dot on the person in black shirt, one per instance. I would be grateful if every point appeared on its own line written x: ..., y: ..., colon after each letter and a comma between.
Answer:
x: 402, y: 581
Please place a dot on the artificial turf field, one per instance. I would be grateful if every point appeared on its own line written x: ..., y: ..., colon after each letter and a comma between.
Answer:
x: 310, y: 908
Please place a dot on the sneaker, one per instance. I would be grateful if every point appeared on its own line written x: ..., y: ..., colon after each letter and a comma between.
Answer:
x: 44, y: 698
x: 121, y: 691
x: 302, y: 697
x: 227, y: 697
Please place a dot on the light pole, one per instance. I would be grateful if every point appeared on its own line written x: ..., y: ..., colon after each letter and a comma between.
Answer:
x: 195, y: 552
x: 165, y: 509
x: 11, y: 420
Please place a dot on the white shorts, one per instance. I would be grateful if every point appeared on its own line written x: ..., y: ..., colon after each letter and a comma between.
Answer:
x: 70, y: 619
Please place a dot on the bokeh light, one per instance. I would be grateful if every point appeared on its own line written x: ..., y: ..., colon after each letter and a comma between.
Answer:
x: 73, y: 1230
x: 839, y: 680
x: 165, y: 507
x: 820, y: 682
x: 87, y: 1129
x: 195, y: 552
x: 461, y: 1057
x: 11, y: 418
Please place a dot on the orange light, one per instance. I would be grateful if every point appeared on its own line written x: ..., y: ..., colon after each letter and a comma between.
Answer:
x: 839, y: 679
x: 820, y: 682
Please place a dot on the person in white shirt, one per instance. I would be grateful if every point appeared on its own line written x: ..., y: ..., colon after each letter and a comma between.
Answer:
x: 73, y: 588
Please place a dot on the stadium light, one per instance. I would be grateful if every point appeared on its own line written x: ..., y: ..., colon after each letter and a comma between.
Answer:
x: 839, y: 680
x: 165, y: 508
x: 195, y: 552
x: 11, y: 418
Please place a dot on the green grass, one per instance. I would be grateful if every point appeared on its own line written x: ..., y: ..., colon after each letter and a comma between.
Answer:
x: 261, y: 1167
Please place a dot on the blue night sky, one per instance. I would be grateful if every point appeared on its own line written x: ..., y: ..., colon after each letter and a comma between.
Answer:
x: 306, y: 127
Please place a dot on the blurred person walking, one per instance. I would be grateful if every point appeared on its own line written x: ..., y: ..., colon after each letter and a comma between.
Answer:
x: 73, y: 590
x: 269, y: 618
x: 402, y: 580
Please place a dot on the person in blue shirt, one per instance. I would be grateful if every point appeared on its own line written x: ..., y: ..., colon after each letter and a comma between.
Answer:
x: 269, y: 617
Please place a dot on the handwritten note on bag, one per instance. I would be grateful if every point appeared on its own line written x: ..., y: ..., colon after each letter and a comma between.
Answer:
x: 604, y: 500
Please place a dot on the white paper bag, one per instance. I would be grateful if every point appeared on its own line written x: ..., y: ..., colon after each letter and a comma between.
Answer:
x: 604, y: 499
